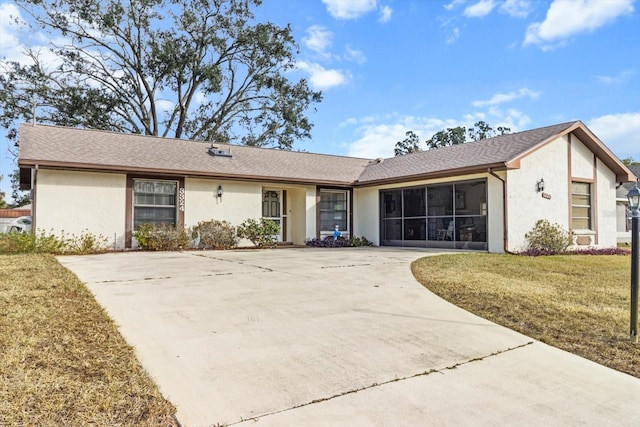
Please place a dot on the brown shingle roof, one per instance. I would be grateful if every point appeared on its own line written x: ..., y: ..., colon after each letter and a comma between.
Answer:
x: 465, y: 158
x: 102, y: 150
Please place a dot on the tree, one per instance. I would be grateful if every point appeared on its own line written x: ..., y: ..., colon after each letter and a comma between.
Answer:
x: 20, y: 198
x: 629, y: 161
x: 458, y: 135
x: 201, y: 70
x: 411, y: 144
x: 3, y: 202
x: 450, y: 136
x: 482, y: 130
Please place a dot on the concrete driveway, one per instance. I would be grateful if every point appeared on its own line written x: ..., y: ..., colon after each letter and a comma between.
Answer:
x: 326, y: 337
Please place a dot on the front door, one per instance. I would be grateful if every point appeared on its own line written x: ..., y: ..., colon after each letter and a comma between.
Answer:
x: 272, y: 209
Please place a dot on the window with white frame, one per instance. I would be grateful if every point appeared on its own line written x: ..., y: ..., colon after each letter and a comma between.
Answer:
x: 581, y: 213
x: 154, y: 202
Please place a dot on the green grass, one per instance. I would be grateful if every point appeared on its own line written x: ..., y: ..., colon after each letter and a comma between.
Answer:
x: 62, y: 359
x: 578, y: 303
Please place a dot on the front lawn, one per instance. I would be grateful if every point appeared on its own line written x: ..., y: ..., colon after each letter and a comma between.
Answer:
x: 62, y: 360
x: 578, y: 303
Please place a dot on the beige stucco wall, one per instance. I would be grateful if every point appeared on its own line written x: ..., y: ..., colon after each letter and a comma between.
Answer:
x: 310, y: 210
x: 366, y: 213
x: 296, y: 211
x: 73, y: 202
x: 526, y: 204
x: 581, y: 160
x: 552, y: 163
x: 495, y: 213
x: 606, y: 206
x: 242, y: 200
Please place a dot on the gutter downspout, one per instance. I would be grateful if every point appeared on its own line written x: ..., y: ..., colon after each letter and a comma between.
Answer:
x: 505, y: 221
x: 34, y: 193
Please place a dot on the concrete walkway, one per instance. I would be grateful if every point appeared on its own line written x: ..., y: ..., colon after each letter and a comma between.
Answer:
x: 337, y: 337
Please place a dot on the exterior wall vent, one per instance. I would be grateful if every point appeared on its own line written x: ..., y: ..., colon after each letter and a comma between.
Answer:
x: 214, y: 151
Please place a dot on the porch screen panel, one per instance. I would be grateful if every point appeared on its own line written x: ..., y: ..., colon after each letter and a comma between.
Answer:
x: 391, y: 207
x: 414, y: 214
x: 447, y: 215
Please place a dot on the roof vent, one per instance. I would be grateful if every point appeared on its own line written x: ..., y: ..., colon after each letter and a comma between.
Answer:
x: 378, y: 160
x: 215, y: 151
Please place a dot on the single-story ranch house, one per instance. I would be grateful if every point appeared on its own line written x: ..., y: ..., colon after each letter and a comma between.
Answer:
x: 482, y: 195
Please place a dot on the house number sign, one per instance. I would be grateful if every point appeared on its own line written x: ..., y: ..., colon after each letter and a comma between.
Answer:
x: 181, y: 199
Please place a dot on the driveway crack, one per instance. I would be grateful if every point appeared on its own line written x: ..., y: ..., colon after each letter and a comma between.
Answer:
x: 378, y: 384
x: 267, y: 269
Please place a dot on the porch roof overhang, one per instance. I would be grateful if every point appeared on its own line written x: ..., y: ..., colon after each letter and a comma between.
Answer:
x: 449, y: 173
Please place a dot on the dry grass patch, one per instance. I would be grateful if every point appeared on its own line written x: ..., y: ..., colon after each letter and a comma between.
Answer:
x: 578, y: 303
x: 62, y: 359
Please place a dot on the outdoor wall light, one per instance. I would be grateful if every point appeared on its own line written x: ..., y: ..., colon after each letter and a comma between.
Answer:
x: 219, y: 192
x: 540, y: 185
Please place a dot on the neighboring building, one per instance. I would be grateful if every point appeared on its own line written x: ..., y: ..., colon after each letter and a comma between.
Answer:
x: 8, y: 216
x: 482, y: 195
x: 623, y: 215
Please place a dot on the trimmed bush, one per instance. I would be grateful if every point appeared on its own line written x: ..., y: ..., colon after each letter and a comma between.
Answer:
x: 216, y: 234
x: 161, y: 237
x: 262, y: 233
x: 547, y: 239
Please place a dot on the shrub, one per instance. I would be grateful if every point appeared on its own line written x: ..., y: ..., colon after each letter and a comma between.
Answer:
x: 216, y: 234
x: 86, y: 243
x: 356, y: 241
x: 17, y: 243
x: 340, y: 242
x: 548, y: 239
x: 43, y: 242
x: 261, y: 233
x: 161, y: 237
x: 329, y: 242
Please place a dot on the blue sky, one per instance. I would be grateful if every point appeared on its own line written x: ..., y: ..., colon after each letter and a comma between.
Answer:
x: 386, y: 67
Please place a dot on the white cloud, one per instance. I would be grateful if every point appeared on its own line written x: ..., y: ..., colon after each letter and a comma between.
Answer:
x: 318, y: 40
x: 378, y: 135
x: 620, y: 77
x: 354, y: 55
x: 619, y: 132
x: 349, y: 9
x: 321, y: 78
x: 453, y: 4
x: 165, y: 106
x: 501, y: 98
x: 479, y: 9
x: 455, y: 34
x: 516, y: 8
x: 10, y: 45
x: 567, y: 18
x: 385, y: 14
